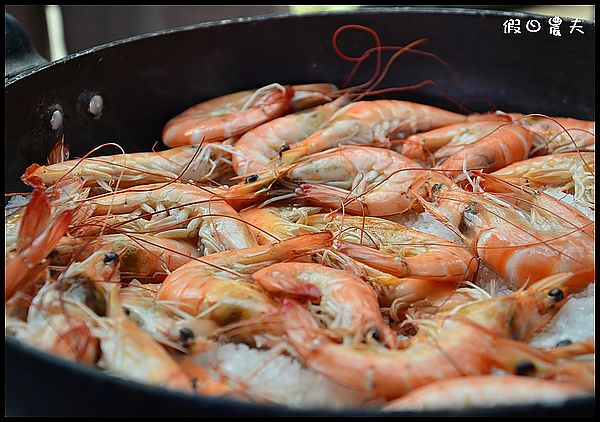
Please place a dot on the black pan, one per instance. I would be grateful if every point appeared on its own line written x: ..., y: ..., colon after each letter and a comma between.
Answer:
x: 146, y: 80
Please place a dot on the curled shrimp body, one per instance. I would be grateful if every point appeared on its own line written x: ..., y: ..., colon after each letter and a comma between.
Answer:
x: 438, y: 144
x: 345, y: 303
x: 257, y: 149
x: 520, y: 234
x: 504, y: 146
x: 486, y: 391
x: 571, y: 172
x: 138, y: 168
x: 215, y: 285
x: 468, y: 341
x: 360, y: 180
x: 372, y: 123
x: 179, y: 211
x: 234, y: 114
x: 577, y: 135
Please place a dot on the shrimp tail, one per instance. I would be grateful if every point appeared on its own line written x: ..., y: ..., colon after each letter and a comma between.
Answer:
x: 301, y: 327
x: 31, y: 176
x: 35, y: 242
x: 281, y: 283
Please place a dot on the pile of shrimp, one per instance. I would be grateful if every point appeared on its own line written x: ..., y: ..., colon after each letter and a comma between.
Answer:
x: 274, y: 220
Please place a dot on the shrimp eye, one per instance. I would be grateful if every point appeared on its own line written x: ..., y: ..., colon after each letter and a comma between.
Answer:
x: 557, y: 294
x: 374, y: 333
x: 284, y: 149
x: 562, y: 343
x: 111, y: 257
x: 126, y: 310
x: 525, y: 367
x: 194, y: 383
x: 436, y: 187
x: 252, y: 178
x: 186, y: 334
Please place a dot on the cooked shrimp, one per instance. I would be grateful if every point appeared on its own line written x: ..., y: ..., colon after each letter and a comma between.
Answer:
x: 179, y: 211
x: 234, y: 114
x: 129, y: 352
x: 399, y: 293
x: 142, y: 256
x: 503, y: 146
x: 486, y: 391
x: 520, y: 234
x: 163, y: 322
x: 57, y: 321
x: 570, y: 172
x: 460, y: 343
x: 38, y: 234
x: 372, y: 123
x: 360, y: 180
x: 186, y: 163
x: 345, y: 303
x: 435, y: 146
x: 579, y: 135
x: 213, y: 286
x: 258, y: 148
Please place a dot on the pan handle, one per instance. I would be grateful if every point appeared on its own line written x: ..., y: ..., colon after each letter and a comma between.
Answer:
x: 19, y: 54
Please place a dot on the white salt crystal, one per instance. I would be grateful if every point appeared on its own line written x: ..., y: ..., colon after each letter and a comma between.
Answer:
x: 278, y: 378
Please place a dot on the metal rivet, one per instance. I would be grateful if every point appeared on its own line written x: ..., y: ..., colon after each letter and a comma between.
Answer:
x: 56, y: 121
x: 95, y: 105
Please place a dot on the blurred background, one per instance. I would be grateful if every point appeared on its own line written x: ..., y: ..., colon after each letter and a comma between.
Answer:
x: 60, y: 30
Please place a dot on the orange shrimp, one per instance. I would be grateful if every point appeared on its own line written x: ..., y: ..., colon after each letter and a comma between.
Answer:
x: 37, y: 236
x: 142, y: 256
x: 140, y: 168
x: 234, y: 114
x: 212, y: 285
x: 346, y: 304
x: 520, y: 234
x: 129, y: 352
x: 470, y: 340
x: 179, y: 211
x: 57, y: 320
x: 437, y: 145
x: 503, y: 146
x: 485, y: 391
x: 372, y: 123
x: 439, y: 265
x: 577, y: 135
x: 570, y: 172
x: 258, y: 148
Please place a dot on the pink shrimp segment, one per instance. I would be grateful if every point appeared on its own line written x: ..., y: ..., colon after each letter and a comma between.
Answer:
x: 577, y: 135
x: 258, y: 148
x: 471, y: 340
x: 346, y: 302
x: 372, y: 123
x: 437, y: 145
x: 485, y: 391
x: 234, y: 114
x: 503, y: 146
x: 37, y: 236
x: 520, y: 234
x: 360, y: 180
